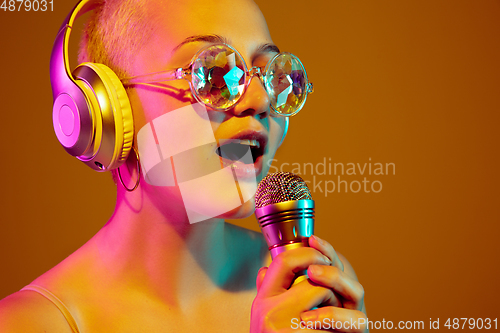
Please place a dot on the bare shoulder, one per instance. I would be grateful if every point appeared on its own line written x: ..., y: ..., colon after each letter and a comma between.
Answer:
x: 27, y: 311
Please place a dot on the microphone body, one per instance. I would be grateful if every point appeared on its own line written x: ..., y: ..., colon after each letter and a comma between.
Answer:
x: 285, y: 212
x: 286, y: 225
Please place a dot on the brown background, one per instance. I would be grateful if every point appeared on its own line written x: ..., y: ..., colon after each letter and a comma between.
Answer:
x: 410, y: 82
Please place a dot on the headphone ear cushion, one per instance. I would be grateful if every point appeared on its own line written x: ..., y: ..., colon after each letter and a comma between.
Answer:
x: 116, y: 112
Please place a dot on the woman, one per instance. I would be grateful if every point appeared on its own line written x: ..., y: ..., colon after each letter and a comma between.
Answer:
x: 166, y: 261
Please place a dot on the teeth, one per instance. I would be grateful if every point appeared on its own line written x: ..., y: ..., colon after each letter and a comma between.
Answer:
x: 247, y: 142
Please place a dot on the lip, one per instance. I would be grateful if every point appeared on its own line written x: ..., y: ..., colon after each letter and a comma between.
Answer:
x: 240, y: 169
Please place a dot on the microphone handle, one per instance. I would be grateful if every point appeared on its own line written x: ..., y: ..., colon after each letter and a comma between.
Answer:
x: 302, y: 275
x: 287, y: 225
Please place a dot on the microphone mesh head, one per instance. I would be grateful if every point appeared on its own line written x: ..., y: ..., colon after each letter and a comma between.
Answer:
x: 280, y: 187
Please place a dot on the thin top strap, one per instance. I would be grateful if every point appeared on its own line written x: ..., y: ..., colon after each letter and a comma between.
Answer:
x: 57, y: 302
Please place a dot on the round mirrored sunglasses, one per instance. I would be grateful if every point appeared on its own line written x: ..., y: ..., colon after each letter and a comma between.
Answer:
x: 218, y: 77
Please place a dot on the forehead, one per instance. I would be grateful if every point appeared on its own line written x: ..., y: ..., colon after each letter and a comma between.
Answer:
x: 239, y: 21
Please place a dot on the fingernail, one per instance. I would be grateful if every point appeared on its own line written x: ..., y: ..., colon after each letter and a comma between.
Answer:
x: 327, y: 260
x: 316, y: 269
x: 319, y: 240
x: 308, y: 316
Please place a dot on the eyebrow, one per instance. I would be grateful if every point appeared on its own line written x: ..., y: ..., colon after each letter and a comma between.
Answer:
x: 202, y: 38
x: 213, y: 38
x: 265, y: 48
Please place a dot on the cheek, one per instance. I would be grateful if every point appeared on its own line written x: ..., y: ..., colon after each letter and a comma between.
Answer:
x: 276, y: 129
x: 216, y: 118
x: 180, y: 166
x: 150, y: 102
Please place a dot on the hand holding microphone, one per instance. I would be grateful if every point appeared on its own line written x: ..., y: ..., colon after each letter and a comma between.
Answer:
x: 285, y: 294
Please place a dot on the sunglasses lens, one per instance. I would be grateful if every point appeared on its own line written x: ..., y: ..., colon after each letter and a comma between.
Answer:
x: 218, y: 76
x: 286, y: 83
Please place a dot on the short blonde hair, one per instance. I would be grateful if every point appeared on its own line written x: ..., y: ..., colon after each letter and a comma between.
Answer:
x: 114, y: 33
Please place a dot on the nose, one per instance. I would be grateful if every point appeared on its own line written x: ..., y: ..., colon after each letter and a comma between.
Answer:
x: 255, y: 100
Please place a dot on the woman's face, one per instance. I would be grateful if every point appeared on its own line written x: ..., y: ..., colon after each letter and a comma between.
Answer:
x: 208, y: 161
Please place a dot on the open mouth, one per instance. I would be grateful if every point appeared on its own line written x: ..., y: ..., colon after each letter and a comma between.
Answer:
x: 246, y: 151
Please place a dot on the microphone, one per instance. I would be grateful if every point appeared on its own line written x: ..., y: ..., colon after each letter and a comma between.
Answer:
x: 285, y: 212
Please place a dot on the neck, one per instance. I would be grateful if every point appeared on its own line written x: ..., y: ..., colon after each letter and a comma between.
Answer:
x: 156, y: 249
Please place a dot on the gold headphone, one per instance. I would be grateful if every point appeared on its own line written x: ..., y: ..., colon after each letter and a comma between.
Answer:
x: 92, y: 116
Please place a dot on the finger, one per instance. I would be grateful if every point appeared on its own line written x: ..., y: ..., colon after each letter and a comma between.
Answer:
x: 349, y: 289
x: 335, y: 319
x: 308, y: 295
x: 284, y: 266
x: 260, y: 277
x: 327, y: 249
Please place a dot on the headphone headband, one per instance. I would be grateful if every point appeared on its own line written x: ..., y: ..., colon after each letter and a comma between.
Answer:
x: 60, y: 73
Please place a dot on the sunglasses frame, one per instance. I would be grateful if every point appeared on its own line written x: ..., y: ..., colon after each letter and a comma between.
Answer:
x: 153, y: 79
